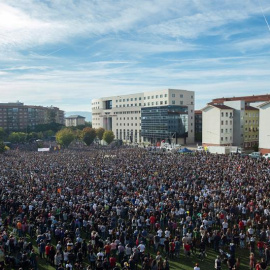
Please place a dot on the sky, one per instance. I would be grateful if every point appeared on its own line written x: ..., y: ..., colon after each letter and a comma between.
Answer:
x: 67, y: 52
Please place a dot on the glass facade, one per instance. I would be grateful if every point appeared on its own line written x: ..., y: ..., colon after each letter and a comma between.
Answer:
x: 164, y: 122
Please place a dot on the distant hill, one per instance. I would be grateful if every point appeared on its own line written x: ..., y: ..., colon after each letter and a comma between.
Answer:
x: 87, y: 115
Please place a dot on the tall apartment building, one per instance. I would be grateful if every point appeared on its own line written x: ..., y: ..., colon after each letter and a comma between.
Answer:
x: 19, y: 117
x: 217, y: 125
x: 147, y: 117
x: 264, y: 135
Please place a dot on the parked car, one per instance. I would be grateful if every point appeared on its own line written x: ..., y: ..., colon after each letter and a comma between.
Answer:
x: 255, y: 155
x: 266, y: 156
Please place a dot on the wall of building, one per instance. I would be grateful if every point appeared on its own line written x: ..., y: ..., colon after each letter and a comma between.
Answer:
x: 211, y: 126
x: 251, y: 128
x: 238, y: 121
x: 264, y: 132
x: 217, y: 126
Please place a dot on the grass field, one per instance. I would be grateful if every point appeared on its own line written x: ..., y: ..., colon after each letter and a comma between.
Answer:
x: 186, y: 263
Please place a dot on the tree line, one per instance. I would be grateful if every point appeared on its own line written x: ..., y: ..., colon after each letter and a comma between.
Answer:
x: 64, y: 136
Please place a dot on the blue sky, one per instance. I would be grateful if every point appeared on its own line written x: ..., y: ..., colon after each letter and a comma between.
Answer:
x: 65, y: 53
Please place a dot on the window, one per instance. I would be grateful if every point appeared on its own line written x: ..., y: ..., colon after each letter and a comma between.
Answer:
x: 156, y: 96
x: 124, y: 100
x: 226, y: 114
x: 165, y: 102
x: 127, y: 99
x: 181, y: 96
x: 173, y: 95
x: 181, y: 102
x: 221, y: 138
x: 173, y: 102
x: 148, y: 97
x: 161, y: 96
x: 161, y: 102
x: 165, y: 95
x: 191, y: 97
x: 221, y: 122
x: 221, y: 130
x: 152, y: 97
x: 131, y: 99
x: 222, y: 114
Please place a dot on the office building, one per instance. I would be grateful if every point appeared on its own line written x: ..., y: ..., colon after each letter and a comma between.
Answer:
x: 74, y: 121
x: 148, y: 116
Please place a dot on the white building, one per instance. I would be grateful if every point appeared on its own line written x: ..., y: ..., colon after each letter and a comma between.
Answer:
x: 122, y: 115
x: 74, y: 121
x: 217, y: 126
x: 264, y: 134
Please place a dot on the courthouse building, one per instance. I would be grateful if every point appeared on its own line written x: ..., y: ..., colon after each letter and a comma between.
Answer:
x: 148, y: 116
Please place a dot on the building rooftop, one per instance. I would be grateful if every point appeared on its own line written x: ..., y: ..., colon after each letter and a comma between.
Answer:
x: 222, y: 107
x: 254, y: 98
x: 247, y: 107
x: 74, y: 117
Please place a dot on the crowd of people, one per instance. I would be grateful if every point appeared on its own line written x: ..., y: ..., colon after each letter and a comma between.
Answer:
x: 128, y: 208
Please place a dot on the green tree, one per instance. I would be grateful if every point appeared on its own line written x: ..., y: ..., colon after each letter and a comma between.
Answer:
x: 108, y: 136
x: 2, y: 133
x: 2, y: 147
x: 65, y: 136
x: 100, y: 131
x: 17, y: 137
x: 88, y: 135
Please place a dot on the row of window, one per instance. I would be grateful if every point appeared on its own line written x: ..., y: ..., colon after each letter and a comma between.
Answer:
x: 251, y: 136
x: 131, y: 118
x: 226, y: 114
x: 226, y: 130
x: 165, y: 102
x: 226, y: 122
x: 253, y: 121
x: 120, y: 124
x: 226, y: 139
x: 252, y: 114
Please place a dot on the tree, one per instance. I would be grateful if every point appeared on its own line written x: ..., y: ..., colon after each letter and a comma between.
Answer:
x: 2, y: 133
x: 100, y: 131
x: 108, y: 136
x: 2, y: 147
x: 17, y: 137
x: 65, y: 136
x: 88, y: 135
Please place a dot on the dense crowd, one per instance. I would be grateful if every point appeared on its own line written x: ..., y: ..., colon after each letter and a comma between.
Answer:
x: 124, y: 208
